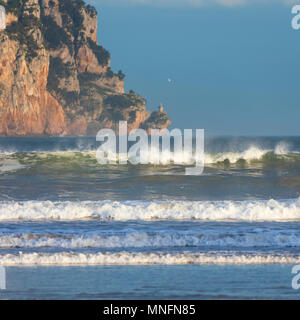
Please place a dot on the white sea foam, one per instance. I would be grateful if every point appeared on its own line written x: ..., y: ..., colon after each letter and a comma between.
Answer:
x: 251, y: 154
x: 232, y: 239
x: 126, y: 258
x: 10, y: 165
x: 271, y: 210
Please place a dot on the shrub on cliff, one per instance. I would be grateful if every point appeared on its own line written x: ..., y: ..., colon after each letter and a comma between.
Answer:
x: 124, y: 101
x: 72, y: 16
x: 12, y: 6
x: 102, y: 55
x: 157, y: 119
x: 55, y: 36
x: 121, y: 75
x: 21, y: 31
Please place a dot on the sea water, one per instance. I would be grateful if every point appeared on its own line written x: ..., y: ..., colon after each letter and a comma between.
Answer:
x: 72, y: 228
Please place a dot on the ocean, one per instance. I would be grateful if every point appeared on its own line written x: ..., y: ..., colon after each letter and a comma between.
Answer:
x: 72, y: 228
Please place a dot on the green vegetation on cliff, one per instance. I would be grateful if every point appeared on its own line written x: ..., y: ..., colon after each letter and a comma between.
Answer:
x: 72, y: 16
x: 21, y: 32
x: 55, y: 36
x: 80, y: 78
x: 123, y: 101
x: 12, y: 6
x: 157, y: 119
x: 102, y: 55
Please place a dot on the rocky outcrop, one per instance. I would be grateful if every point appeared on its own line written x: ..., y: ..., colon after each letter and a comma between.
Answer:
x: 54, y: 77
x: 26, y: 107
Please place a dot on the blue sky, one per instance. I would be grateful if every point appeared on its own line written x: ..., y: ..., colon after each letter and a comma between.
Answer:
x: 234, y: 64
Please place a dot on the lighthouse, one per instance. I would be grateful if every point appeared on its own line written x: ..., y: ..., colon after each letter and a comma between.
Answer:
x: 161, y: 108
x: 2, y: 18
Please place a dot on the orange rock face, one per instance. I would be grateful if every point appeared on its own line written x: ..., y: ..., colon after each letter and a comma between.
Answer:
x: 87, y: 61
x: 62, y: 86
x: 77, y: 128
x: 26, y: 107
x: 10, y: 18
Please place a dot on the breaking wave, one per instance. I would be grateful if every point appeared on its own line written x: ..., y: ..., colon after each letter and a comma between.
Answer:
x: 126, y: 258
x: 264, y: 210
x: 148, y: 240
x: 13, y: 161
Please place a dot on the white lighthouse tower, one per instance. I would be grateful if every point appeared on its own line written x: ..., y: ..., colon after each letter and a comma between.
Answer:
x: 2, y: 18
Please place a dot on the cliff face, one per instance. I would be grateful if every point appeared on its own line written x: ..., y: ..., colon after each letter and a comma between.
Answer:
x: 54, y: 77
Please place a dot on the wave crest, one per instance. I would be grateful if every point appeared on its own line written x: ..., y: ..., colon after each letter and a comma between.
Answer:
x: 126, y: 258
x: 218, y: 238
x: 281, y: 153
x: 268, y: 210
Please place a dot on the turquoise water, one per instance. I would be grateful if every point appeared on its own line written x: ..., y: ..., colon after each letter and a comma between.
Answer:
x: 150, y: 282
x: 72, y: 228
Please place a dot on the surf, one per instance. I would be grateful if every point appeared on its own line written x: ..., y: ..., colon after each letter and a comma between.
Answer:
x: 260, y: 210
x: 127, y: 258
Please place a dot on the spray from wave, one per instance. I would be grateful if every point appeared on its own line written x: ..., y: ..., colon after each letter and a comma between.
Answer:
x: 253, y: 154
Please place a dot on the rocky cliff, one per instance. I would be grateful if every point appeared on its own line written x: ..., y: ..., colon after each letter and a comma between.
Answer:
x: 54, y: 77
